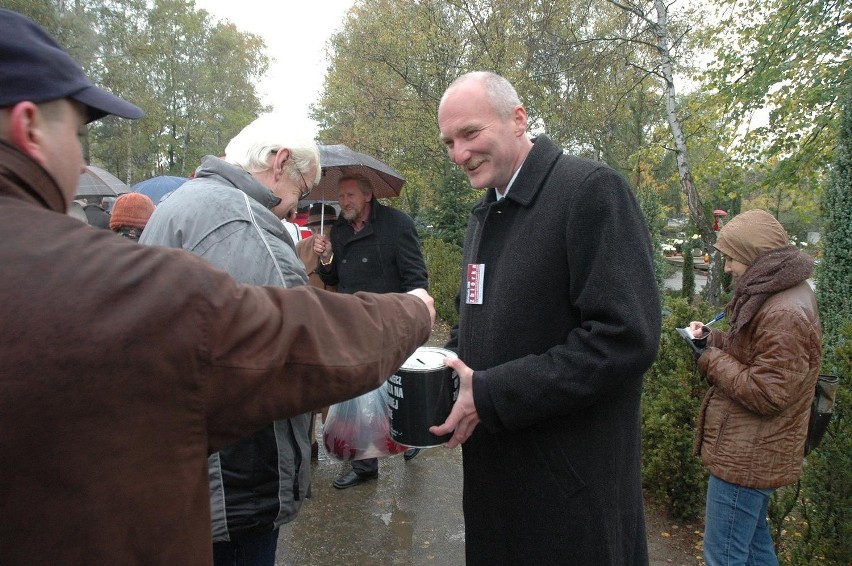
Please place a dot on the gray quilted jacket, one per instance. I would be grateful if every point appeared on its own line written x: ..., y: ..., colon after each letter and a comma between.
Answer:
x: 223, y: 215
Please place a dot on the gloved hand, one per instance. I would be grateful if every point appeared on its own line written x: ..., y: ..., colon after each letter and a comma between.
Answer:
x: 699, y: 345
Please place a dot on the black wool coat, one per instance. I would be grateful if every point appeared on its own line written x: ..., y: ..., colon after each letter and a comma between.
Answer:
x: 569, y: 323
x: 384, y: 257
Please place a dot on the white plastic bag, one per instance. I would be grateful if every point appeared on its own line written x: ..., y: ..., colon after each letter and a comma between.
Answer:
x: 360, y: 428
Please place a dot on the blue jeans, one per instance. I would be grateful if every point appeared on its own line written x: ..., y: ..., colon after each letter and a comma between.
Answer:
x: 250, y: 548
x: 735, y: 528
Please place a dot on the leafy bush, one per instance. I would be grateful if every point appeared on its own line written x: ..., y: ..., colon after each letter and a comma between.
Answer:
x: 443, y: 261
x: 671, y: 399
x: 649, y: 203
x: 834, y: 273
x: 812, y: 519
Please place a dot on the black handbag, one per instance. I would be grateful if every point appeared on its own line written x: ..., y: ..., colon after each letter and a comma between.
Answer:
x: 822, y: 408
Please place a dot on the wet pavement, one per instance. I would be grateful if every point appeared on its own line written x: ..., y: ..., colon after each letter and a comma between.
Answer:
x: 410, y: 515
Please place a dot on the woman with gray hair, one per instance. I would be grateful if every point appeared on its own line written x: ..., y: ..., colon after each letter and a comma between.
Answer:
x: 753, y: 422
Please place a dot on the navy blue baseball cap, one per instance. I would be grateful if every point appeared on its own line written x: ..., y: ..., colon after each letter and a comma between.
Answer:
x: 34, y: 67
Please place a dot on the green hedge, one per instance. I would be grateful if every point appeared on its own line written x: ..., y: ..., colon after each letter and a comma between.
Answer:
x: 443, y: 261
x: 812, y: 519
x: 671, y: 398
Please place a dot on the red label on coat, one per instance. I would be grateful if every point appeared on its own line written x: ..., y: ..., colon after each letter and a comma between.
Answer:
x: 475, y: 280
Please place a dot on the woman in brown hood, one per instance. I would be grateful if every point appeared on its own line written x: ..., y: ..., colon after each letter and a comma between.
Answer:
x: 753, y: 421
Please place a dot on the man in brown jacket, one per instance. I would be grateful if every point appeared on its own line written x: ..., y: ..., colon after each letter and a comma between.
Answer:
x: 108, y: 414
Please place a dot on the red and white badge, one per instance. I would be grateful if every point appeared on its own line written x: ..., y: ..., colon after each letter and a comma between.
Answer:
x: 475, y: 281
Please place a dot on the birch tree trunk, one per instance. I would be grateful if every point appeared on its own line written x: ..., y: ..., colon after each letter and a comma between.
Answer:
x: 712, y: 289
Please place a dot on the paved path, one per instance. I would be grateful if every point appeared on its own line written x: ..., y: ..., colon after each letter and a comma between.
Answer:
x: 675, y: 282
x: 412, y: 516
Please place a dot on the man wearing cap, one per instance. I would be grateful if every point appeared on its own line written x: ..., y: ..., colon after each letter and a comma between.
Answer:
x: 230, y: 214
x: 108, y: 421
x: 372, y: 248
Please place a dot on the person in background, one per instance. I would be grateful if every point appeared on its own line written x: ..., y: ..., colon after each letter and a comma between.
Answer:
x: 75, y: 210
x: 320, y: 216
x: 96, y: 216
x: 108, y: 415
x: 130, y: 214
x: 371, y: 247
x: 230, y: 214
x: 550, y: 364
x: 292, y: 230
x: 762, y: 372
x: 107, y: 203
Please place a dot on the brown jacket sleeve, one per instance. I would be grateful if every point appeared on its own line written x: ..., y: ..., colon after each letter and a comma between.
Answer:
x: 776, y: 374
x: 274, y: 353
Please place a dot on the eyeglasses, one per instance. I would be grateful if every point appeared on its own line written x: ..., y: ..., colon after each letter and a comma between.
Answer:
x: 307, y: 190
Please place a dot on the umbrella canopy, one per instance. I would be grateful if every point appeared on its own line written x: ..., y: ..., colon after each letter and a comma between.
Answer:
x: 339, y: 161
x: 95, y: 182
x: 156, y: 188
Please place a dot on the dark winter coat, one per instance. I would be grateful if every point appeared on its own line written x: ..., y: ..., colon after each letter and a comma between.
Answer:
x: 122, y: 367
x: 569, y: 323
x: 384, y: 257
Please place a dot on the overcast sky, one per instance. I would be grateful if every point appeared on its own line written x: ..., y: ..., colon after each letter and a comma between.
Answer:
x: 295, y: 33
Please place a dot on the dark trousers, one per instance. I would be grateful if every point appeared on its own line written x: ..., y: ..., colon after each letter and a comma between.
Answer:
x: 366, y: 467
x: 250, y: 548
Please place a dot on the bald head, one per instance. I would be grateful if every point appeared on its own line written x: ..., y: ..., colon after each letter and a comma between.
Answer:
x: 499, y: 92
x: 483, y: 125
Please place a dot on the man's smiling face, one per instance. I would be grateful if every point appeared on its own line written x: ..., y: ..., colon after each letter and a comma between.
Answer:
x: 487, y: 146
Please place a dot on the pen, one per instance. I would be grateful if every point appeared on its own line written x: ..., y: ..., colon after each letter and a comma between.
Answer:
x: 716, y: 319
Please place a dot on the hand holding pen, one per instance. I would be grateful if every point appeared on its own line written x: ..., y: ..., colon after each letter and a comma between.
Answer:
x: 701, y: 329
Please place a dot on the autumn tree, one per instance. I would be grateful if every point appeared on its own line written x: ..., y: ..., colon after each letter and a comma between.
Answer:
x: 389, y: 67
x: 194, y: 79
x: 778, y: 72
x: 392, y: 61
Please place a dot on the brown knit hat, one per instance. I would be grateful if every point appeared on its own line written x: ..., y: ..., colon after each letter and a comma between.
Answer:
x: 131, y: 209
x: 750, y: 234
x: 315, y: 216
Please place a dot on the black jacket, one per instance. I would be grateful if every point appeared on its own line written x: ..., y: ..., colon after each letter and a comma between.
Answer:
x: 569, y: 323
x: 384, y: 257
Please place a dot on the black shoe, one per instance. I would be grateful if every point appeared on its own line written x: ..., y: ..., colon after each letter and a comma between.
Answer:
x: 352, y: 478
x: 410, y: 454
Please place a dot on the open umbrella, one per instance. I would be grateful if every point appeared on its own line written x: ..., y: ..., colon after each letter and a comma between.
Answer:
x: 95, y: 182
x: 339, y: 160
x: 157, y: 187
